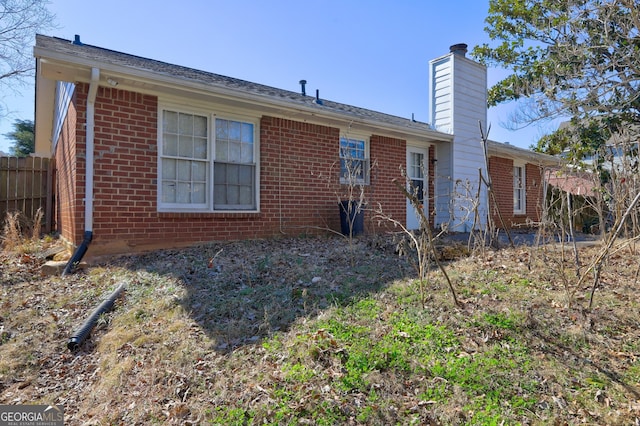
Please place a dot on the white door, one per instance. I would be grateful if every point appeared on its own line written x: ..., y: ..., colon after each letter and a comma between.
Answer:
x: 417, y: 173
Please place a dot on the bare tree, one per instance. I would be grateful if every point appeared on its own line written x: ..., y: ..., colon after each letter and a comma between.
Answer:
x: 20, y: 20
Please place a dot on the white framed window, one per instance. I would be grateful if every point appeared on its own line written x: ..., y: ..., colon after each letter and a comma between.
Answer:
x: 234, y: 180
x: 416, y: 173
x: 519, y: 193
x: 354, y: 160
x: 206, y: 162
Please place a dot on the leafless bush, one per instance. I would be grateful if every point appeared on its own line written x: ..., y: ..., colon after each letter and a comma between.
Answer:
x: 422, y: 241
x: 11, y: 232
x: 19, y: 233
x: 598, y: 194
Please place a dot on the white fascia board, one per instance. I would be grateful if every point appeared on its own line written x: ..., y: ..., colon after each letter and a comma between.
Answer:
x: 515, y: 153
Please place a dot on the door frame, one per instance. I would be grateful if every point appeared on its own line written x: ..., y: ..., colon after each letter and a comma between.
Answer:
x: 412, y: 220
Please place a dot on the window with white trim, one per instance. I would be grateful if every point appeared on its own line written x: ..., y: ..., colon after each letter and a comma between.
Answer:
x: 354, y: 161
x: 519, y: 195
x: 206, y: 162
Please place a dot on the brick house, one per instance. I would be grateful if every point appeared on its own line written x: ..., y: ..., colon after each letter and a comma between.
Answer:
x: 153, y: 155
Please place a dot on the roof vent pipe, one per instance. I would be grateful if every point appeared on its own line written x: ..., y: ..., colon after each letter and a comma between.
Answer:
x: 77, y: 41
x: 303, y: 83
x: 318, y: 100
x: 459, y: 49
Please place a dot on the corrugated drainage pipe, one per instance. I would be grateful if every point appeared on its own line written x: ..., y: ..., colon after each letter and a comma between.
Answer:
x: 79, y: 253
x: 83, y: 332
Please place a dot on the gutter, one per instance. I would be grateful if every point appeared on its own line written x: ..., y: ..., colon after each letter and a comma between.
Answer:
x: 89, y: 157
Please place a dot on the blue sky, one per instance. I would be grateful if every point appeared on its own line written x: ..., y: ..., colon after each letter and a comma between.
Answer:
x: 372, y: 54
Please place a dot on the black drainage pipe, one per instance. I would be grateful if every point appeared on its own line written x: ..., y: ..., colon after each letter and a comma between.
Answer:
x: 83, y: 332
x: 79, y: 254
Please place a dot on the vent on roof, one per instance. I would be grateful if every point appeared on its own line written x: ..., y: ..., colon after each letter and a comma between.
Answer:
x: 77, y: 41
x: 303, y: 84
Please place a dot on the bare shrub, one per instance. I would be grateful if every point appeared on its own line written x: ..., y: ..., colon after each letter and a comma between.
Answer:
x: 11, y: 232
x: 36, y: 226
x: 422, y: 241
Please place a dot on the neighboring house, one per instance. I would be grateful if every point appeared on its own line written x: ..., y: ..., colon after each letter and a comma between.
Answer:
x: 153, y: 155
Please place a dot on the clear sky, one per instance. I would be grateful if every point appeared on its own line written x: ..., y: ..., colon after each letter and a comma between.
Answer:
x: 368, y: 53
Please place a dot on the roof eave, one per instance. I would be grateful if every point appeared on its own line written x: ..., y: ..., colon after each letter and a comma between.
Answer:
x: 77, y: 69
x: 509, y: 151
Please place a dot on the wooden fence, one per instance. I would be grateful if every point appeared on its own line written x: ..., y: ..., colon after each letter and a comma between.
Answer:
x: 26, y: 184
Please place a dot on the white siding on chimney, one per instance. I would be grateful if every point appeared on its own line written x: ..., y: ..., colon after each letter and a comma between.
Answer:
x: 442, y: 95
x: 458, y: 104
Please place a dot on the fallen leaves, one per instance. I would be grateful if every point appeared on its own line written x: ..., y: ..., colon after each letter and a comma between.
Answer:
x: 190, y: 336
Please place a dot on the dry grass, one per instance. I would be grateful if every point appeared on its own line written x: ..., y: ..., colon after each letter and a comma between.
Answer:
x: 289, y: 332
x: 20, y: 234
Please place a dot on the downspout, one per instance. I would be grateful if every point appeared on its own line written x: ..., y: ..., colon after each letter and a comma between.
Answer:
x: 88, y: 201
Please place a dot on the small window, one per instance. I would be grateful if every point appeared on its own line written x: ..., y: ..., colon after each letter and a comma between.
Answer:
x: 519, y: 195
x: 354, y: 161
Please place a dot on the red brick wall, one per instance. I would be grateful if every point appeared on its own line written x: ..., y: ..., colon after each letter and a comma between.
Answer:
x: 501, y: 171
x: 534, y: 191
x: 68, y: 200
x: 388, y: 155
x: 299, y: 180
x: 125, y: 168
x: 299, y: 177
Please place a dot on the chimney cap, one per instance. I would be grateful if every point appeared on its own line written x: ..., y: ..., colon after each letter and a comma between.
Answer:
x: 460, y: 49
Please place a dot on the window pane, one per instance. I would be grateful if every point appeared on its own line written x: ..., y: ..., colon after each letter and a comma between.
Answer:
x: 417, y: 160
x: 418, y: 188
x: 247, y: 133
x: 183, y: 193
x: 221, y: 129
x: 233, y: 195
x: 358, y: 169
x: 247, y: 153
x: 246, y: 195
x: 234, y: 131
x: 246, y: 175
x: 185, y: 146
x: 199, y: 171
x: 222, y: 148
x: 170, y: 145
x: 168, y: 192
x: 232, y: 174
x: 200, y: 148
x: 200, y: 126
x: 220, y: 173
x: 185, y: 124
x: 168, y: 168
x: 219, y: 195
x: 170, y: 122
x: 199, y: 193
x: 234, y: 152
x: 184, y: 171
